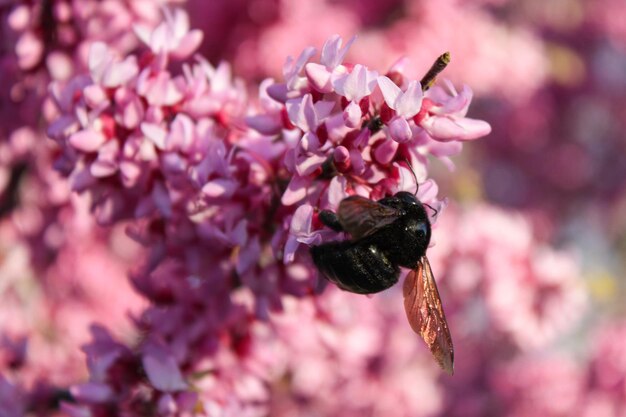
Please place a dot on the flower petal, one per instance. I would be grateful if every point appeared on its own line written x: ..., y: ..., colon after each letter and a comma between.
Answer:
x: 319, y: 77
x: 92, y: 392
x: 296, y: 190
x: 391, y: 92
x: 352, y: 115
x: 447, y: 128
x: 87, y: 140
x: 332, y: 53
x: 409, y: 103
x: 163, y: 371
x: 220, y: 188
x: 399, y: 130
x: 356, y: 85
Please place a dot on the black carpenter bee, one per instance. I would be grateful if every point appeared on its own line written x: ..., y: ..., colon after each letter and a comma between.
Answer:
x: 388, y: 234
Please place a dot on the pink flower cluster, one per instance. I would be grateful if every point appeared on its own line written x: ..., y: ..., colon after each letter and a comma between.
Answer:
x: 354, y: 131
x: 221, y: 206
x: 49, y: 40
x: 53, y: 257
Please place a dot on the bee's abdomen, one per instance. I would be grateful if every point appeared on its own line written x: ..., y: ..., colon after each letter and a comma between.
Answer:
x: 357, y: 267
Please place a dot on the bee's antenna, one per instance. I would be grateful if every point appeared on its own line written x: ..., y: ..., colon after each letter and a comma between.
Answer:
x: 417, y: 185
x: 432, y: 208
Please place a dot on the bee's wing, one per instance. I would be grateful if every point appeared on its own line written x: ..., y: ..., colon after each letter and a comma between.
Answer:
x: 423, y: 309
x: 361, y: 216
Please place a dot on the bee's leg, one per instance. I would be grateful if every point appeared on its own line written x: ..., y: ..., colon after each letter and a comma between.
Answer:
x: 331, y: 220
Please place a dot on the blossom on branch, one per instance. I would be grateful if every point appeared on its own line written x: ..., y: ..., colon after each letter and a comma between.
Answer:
x: 223, y: 194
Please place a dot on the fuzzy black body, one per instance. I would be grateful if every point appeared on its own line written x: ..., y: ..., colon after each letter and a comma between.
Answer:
x: 371, y: 263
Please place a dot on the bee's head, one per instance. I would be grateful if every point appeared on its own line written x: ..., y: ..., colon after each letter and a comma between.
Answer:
x: 407, y: 198
x: 416, y: 219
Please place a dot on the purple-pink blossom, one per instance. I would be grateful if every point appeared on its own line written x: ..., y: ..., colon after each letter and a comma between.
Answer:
x: 224, y: 210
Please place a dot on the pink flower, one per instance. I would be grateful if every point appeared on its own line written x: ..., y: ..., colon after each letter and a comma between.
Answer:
x: 141, y: 99
x: 332, y: 52
x: 172, y: 36
x: 444, y: 118
x: 359, y: 83
x: 323, y: 75
x: 301, y: 231
x: 307, y: 115
x: 406, y: 104
x: 344, y: 122
x: 108, y: 70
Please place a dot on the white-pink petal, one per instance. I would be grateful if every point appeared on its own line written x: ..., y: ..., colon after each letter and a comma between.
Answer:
x: 386, y: 151
x: 221, y: 78
x: 450, y: 103
x: 102, y: 168
x: 306, y: 115
x: 352, y: 115
x: 447, y: 128
x: 220, y: 188
x: 131, y: 172
x: 390, y: 91
x: 302, y: 113
x: 336, y: 191
x: 188, y: 44
x: 159, y: 89
x: 319, y: 77
x: 182, y: 133
x: 296, y: 190
x: 155, y: 133
x: 119, y: 73
x: 360, y: 82
x: 309, y: 142
x: 409, y: 103
x: 87, y: 140
x: 309, y: 164
x: 399, y: 130
x: 332, y: 53
x: 95, y: 95
x: 301, y: 220
x: 407, y: 182
x: 406, y: 104
x: 106, y: 163
x: 106, y: 68
x: 98, y: 59
x: 292, y: 68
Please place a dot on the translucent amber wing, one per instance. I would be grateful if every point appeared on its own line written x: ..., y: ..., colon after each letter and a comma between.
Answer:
x: 425, y: 313
x: 361, y: 217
